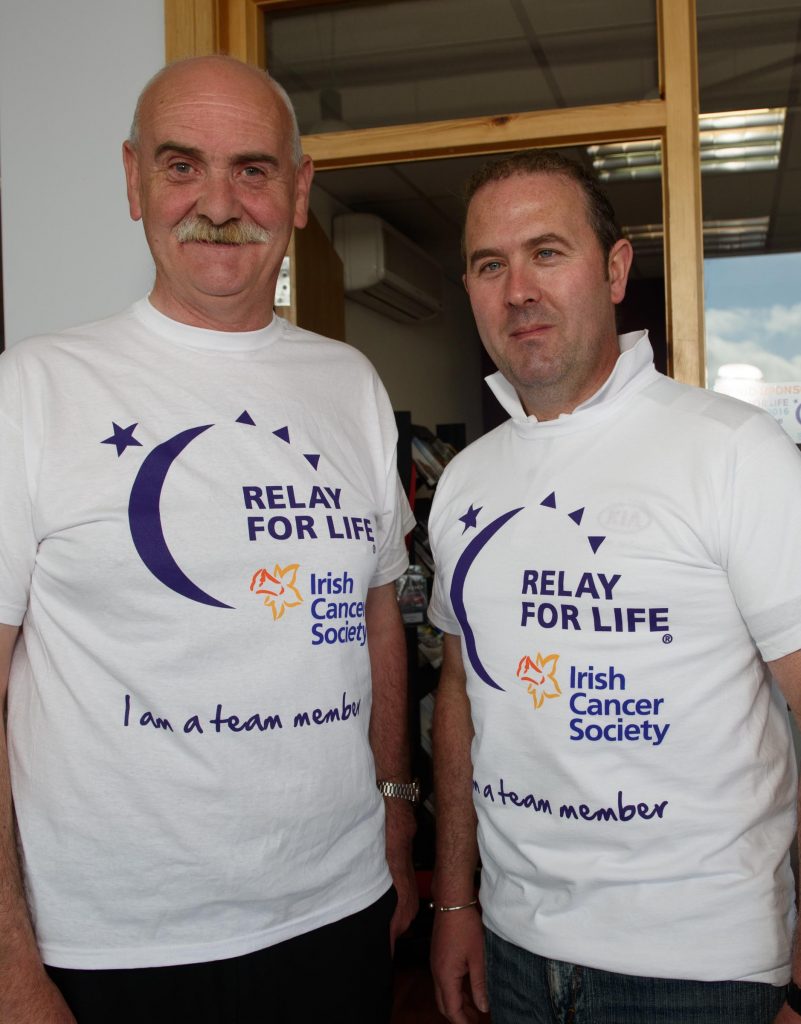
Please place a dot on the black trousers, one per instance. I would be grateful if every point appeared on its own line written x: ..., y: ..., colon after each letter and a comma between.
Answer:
x: 338, y: 974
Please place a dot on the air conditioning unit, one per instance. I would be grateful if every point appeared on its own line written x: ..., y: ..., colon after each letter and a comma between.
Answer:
x: 384, y: 270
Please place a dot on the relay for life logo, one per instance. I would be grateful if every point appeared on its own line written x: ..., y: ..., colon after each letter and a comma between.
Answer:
x: 604, y: 704
x: 280, y: 512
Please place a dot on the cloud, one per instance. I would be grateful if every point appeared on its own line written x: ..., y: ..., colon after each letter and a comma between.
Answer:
x: 727, y: 322
x: 774, y: 367
x: 766, y: 337
x: 785, y: 320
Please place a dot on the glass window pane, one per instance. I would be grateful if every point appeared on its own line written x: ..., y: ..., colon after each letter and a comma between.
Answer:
x: 747, y: 52
x: 363, y: 65
x: 749, y: 62
x: 753, y: 332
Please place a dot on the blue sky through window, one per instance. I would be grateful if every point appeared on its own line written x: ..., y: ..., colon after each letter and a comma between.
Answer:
x: 753, y: 314
x: 753, y: 331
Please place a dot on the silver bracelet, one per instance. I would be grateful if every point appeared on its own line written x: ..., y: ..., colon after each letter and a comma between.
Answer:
x: 447, y: 910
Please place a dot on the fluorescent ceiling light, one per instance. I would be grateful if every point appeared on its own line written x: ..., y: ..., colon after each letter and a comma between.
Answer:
x: 742, y: 140
x: 744, y: 234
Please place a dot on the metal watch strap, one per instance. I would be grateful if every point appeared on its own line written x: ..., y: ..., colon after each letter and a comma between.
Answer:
x: 400, y: 790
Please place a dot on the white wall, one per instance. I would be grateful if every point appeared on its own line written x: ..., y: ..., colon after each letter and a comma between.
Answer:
x: 431, y: 369
x: 70, y: 73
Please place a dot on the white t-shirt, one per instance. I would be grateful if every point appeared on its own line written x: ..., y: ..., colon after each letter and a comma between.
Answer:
x: 191, y: 522
x: 615, y: 575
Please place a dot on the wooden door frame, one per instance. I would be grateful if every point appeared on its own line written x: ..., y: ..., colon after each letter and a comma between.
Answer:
x: 194, y: 27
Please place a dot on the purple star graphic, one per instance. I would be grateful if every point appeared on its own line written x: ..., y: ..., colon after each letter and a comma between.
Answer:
x: 470, y: 518
x: 122, y: 437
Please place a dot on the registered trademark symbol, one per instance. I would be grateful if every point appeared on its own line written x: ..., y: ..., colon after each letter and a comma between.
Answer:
x: 667, y: 639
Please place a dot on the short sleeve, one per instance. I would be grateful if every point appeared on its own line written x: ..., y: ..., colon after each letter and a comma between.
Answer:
x: 762, y: 544
x: 17, y: 537
x: 395, y: 518
x: 440, y: 610
x: 393, y: 557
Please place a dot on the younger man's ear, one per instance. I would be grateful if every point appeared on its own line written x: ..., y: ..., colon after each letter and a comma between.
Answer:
x: 619, y: 263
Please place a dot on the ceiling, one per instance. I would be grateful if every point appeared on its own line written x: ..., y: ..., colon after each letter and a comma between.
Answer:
x: 413, y: 60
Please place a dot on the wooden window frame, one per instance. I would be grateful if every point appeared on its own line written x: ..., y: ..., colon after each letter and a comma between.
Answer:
x: 195, y: 27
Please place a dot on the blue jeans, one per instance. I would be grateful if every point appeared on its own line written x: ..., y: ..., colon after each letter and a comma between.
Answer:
x: 528, y: 989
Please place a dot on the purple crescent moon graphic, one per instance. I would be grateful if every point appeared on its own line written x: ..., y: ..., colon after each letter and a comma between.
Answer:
x: 466, y: 559
x: 145, y: 519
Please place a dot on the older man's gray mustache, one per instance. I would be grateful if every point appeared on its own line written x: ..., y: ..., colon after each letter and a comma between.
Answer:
x: 233, y: 232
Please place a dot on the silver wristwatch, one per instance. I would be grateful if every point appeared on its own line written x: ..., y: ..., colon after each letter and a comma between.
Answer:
x: 400, y: 790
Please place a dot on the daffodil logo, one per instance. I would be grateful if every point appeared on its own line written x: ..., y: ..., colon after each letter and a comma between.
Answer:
x: 278, y: 588
x: 540, y: 676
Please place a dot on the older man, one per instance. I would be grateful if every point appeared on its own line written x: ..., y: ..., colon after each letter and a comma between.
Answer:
x: 201, y: 528
x: 616, y: 582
